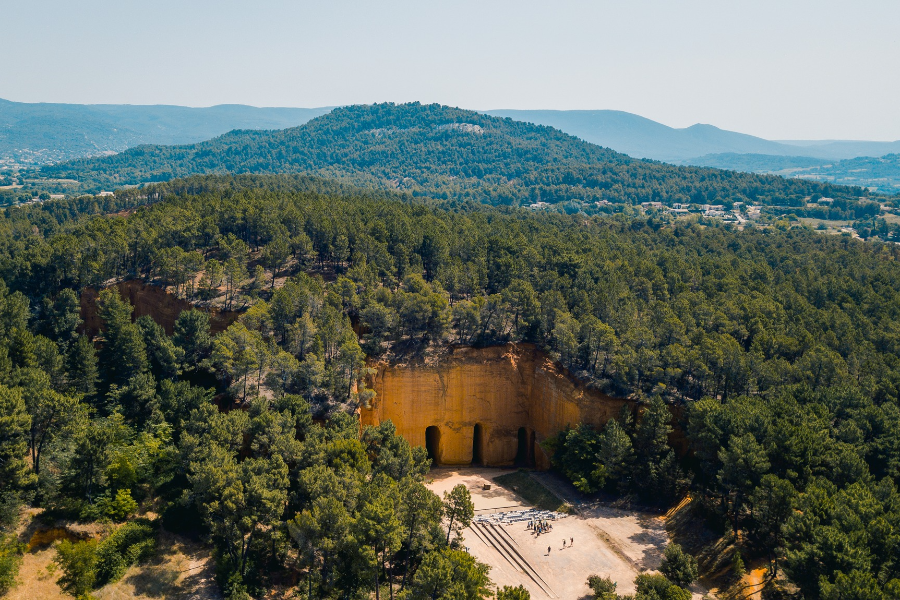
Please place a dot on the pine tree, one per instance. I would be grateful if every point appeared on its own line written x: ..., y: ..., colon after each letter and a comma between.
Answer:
x: 124, y: 351
x: 83, y: 371
x: 191, y: 334
x: 15, y: 424
x: 458, y: 509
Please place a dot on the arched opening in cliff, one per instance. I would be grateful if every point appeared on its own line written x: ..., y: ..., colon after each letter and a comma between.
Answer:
x: 478, y: 445
x: 433, y: 444
x: 525, y: 451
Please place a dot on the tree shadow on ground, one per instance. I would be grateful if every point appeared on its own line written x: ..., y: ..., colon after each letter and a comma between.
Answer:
x: 154, y: 581
x: 651, y: 556
x: 180, y: 569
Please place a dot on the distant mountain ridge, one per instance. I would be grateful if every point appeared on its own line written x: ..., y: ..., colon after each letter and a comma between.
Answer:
x: 443, y: 152
x: 43, y: 133
x: 39, y: 134
x: 641, y: 137
x: 845, y: 149
x: 881, y: 174
x: 644, y: 138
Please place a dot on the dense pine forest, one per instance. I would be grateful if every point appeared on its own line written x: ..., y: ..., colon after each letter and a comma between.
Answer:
x: 443, y: 152
x: 779, y: 352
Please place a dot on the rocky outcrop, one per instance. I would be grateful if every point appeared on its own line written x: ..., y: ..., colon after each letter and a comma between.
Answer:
x: 152, y: 300
x: 492, y: 406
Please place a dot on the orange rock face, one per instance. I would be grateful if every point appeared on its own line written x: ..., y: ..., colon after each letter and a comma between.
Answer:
x: 492, y: 406
x: 152, y: 300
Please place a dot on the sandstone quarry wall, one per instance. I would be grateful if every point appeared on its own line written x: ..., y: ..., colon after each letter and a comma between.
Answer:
x: 500, y: 402
x: 152, y: 300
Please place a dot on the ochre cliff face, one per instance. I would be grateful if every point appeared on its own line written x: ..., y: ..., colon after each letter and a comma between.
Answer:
x: 152, y: 300
x: 500, y: 402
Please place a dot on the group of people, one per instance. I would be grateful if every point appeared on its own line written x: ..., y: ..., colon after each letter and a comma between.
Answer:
x: 540, y: 527
x: 571, y: 543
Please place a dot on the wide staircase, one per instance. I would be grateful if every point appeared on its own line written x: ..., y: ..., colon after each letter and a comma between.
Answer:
x: 495, y: 536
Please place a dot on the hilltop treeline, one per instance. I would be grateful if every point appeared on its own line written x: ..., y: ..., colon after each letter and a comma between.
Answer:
x: 631, y: 304
x: 782, y: 347
x: 446, y: 153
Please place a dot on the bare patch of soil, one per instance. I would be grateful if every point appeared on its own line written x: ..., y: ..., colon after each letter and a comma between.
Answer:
x: 599, y: 540
x: 180, y: 569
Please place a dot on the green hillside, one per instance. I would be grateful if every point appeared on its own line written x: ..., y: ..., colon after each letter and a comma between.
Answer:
x: 443, y: 152
x: 880, y: 174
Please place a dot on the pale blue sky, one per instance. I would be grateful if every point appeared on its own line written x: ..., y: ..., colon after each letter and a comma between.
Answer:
x: 786, y: 69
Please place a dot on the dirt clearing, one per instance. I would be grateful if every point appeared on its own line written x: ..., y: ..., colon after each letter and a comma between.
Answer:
x: 600, y: 540
x: 180, y: 569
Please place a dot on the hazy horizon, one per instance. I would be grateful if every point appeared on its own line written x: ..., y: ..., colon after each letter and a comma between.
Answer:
x: 799, y: 71
x: 798, y: 142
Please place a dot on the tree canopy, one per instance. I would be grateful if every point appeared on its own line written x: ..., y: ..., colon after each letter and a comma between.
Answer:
x: 778, y: 351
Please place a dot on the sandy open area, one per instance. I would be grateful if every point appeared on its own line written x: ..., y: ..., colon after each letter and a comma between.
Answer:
x: 607, y: 541
x: 443, y: 479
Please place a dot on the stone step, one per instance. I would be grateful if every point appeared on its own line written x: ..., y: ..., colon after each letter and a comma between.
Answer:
x: 501, y: 541
x: 532, y: 572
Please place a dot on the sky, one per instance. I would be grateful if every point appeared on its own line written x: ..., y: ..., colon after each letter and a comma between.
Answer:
x: 786, y: 69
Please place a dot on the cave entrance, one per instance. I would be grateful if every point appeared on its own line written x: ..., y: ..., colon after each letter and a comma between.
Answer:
x: 433, y: 444
x: 478, y: 445
x: 525, y: 451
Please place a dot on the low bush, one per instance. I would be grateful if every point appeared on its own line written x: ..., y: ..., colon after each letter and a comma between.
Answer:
x: 513, y: 593
x: 10, y: 560
x: 117, y: 508
x: 78, y: 563
x: 657, y: 587
x: 678, y: 566
x: 91, y: 564
x: 604, y: 588
x: 132, y: 543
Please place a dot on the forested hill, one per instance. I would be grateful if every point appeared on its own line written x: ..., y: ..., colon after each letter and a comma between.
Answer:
x: 443, y: 152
